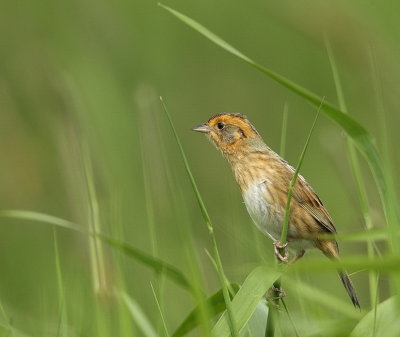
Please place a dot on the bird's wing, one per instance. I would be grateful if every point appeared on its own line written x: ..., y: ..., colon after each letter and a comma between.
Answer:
x: 309, y: 200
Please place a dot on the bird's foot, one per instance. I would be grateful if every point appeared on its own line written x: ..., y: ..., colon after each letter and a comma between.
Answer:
x: 278, y: 248
x: 274, y: 294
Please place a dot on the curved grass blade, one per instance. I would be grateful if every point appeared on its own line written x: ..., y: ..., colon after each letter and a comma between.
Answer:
x: 215, y: 302
x: 389, y: 265
x: 10, y: 331
x: 285, y: 225
x: 386, y: 322
x: 220, y: 270
x: 41, y: 217
x: 257, y: 324
x: 362, y: 139
x: 356, y: 170
x: 246, y: 300
x: 312, y: 294
x: 157, y: 265
x: 137, y: 314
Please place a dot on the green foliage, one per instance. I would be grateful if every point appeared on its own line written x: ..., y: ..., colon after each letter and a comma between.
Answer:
x: 157, y: 265
x: 246, y: 300
x: 215, y: 301
x: 357, y: 132
x: 83, y: 136
x: 138, y: 316
x: 382, y: 322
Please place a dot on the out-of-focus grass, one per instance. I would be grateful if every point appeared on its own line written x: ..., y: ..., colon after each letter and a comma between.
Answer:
x: 71, y: 74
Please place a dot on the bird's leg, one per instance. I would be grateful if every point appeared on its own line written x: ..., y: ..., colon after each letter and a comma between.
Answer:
x: 299, y: 255
x: 274, y: 294
x: 278, y: 248
x: 279, y: 292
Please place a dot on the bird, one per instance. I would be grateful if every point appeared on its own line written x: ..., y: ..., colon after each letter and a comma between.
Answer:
x: 264, y: 179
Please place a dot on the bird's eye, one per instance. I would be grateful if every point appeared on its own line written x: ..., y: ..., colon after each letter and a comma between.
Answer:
x: 220, y: 125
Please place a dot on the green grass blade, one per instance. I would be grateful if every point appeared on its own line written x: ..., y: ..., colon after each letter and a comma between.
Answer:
x: 346, y: 122
x: 202, y: 206
x: 355, y: 168
x: 166, y: 333
x: 371, y: 235
x: 374, y: 234
x: 285, y: 224
x: 258, y: 321
x: 63, y: 320
x: 9, y: 331
x: 312, y: 294
x: 215, y: 302
x: 137, y: 314
x: 221, y: 275
x: 282, y: 147
x: 270, y: 331
x: 95, y: 246
x: 363, y: 140
x: 389, y: 265
x: 157, y: 265
x: 246, y: 300
x: 41, y: 217
x: 387, y: 321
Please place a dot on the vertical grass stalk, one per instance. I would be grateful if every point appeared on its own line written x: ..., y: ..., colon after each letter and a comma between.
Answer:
x: 96, y: 251
x: 282, y: 147
x: 166, y: 333
x: 356, y: 171
x: 156, y: 163
x: 285, y: 224
x: 207, y: 219
x: 62, y: 321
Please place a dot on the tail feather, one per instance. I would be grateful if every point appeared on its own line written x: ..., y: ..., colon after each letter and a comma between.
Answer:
x: 331, y: 250
x: 349, y: 288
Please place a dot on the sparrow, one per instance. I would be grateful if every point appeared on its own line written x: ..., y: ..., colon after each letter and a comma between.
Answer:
x: 264, y: 178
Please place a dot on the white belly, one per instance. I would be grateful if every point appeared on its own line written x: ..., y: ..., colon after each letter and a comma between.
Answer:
x: 267, y: 217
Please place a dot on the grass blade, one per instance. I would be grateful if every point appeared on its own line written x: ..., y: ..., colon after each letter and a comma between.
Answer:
x: 388, y: 265
x: 355, y: 168
x: 157, y: 265
x: 312, y: 294
x: 216, y: 302
x: 246, y: 300
x: 285, y: 224
x: 137, y: 314
x: 166, y: 333
x: 362, y: 139
x: 41, y: 217
x: 282, y: 147
x: 387, y: 318
x: 95, y: 246
x: 221, y: 274
x: 270, y: 331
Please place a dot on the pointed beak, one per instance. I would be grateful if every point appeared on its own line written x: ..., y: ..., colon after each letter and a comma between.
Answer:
x: 204, y: 128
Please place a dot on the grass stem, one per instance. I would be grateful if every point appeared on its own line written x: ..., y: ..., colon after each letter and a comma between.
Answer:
x: 285, y: 224
x: 356, y: 171
x: 207, y: 219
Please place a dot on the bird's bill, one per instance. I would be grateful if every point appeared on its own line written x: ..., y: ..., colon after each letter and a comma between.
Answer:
x: 204, y: 128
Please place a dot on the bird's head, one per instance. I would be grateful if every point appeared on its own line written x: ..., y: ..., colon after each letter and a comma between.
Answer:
x: 231, y: 133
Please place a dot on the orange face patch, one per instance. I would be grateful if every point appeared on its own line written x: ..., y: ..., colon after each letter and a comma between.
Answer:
x: 237, y: 120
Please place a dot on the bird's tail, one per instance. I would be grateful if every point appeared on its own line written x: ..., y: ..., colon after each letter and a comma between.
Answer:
x: 331, y: 250
x: 349, y: 288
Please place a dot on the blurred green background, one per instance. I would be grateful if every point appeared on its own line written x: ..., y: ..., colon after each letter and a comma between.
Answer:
x: 80, y: 81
